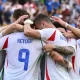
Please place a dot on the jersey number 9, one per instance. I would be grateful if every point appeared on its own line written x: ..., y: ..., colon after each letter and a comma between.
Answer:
x: 26, y: 59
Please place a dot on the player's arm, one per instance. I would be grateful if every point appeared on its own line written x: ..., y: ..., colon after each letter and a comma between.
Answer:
x: 60, y: 59
x: 76, y: 31
x: 6, y: 30
x: 69, y: 35
x: 2, y: 28
x: 14, y: 26
x: 64, y: 50
x: 28, y: 31
x: 11, y: 28
x: 5, y: 27
x: 56, y: 56
x: 44, y: 34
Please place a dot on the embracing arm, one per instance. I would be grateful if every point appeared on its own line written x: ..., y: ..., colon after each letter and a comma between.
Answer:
x: 14, y: 26
x: 28, y: 31
x: 2, y: 28
x: 69, y: 35
x: 56, y: 56
x: 6, y: 30
x: 11, y: 28
x: 60, y: 59
x: 64, y: 50
x: 76, y: 31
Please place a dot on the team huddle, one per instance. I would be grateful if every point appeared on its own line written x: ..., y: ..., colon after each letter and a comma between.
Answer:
x: 26, y: 42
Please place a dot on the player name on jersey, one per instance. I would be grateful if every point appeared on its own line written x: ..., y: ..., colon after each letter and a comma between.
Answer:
x: 24, y: 41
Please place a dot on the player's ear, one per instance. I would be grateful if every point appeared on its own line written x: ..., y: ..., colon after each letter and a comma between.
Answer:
x: 43, y: 22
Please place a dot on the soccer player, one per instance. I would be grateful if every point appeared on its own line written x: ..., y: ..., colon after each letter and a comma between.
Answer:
x: 17, y: 13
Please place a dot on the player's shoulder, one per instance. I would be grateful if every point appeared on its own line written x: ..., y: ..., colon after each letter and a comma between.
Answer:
x: 52, y: 29
x: 78, y: 39
x: 49, y: 29
x: 16, y: 33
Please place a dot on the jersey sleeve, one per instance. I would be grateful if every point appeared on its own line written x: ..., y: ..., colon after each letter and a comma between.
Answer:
x: 3, y: 43
x: 72, y: 42
x: 48, y: 33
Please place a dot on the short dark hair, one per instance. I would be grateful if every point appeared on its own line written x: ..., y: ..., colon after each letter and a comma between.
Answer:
x: 19, y: 12
x: 58, y: 25
x: 41, y: 17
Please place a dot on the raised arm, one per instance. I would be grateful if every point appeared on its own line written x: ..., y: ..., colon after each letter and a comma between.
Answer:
x: 14, y: 26
x: 6, y: 30
x: 28, y: 31
x: 76, y: 31
x: 11, y: 28
x: 67, y: 34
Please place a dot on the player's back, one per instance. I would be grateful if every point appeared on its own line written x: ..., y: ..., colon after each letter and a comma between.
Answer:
x: 53, y: 70
x: 22, y: 57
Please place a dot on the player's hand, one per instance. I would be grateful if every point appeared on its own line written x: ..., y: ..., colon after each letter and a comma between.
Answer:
x: 21, y: 19
x: 62, y: 30
x: 48, y: 47
x: 65, y: 34
x: 59, y: 20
